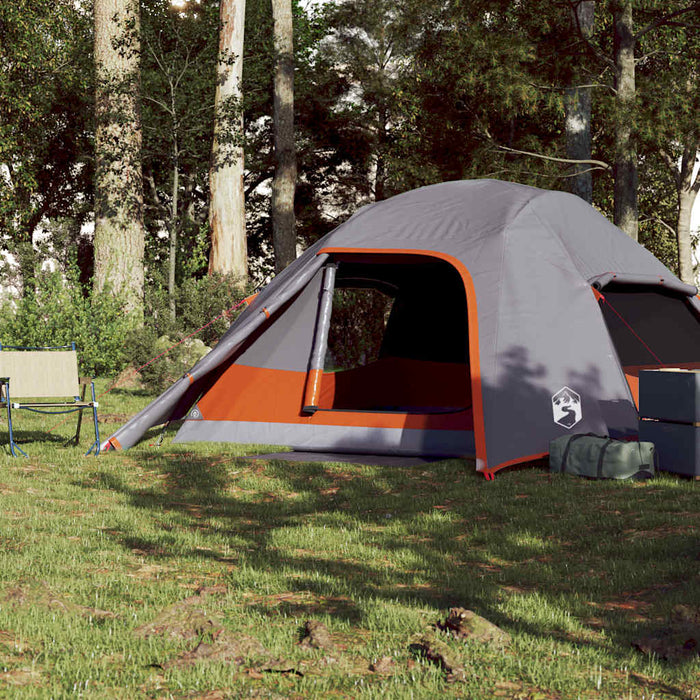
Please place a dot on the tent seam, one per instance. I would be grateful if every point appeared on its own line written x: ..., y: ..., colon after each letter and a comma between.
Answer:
x: 506, y: 238
x: 604, y: 326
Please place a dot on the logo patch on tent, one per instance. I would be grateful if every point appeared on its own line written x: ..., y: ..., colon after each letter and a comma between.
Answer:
x: 195, y: 414
x: 566, y: 407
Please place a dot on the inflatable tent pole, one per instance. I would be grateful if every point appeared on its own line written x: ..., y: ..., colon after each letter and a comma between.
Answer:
x: 314, y: 375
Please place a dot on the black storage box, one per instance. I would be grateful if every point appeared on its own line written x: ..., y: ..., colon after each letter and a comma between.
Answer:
x: 669, y: 411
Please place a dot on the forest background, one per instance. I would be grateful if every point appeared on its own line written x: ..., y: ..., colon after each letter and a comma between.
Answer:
x: 110, y: 208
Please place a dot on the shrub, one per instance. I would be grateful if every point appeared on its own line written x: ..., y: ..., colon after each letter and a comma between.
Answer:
x: 58, y: 313
x: 198, y: 302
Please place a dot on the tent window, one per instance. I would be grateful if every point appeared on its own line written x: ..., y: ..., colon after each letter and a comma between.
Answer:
x: 358, y: 326
x: 398, y: 337
x: 651, y: 326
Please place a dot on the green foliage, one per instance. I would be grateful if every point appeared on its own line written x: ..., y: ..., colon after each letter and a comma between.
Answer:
x: 179, y: 52
x: 208, y: 304
x: 58, y: 312
x: 359, y: 321
x: 45, y: 118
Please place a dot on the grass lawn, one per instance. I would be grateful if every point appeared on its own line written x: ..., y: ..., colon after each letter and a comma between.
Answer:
x: 189, y: 572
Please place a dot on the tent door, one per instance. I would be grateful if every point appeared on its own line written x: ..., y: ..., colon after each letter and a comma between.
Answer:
x: 391, y: 336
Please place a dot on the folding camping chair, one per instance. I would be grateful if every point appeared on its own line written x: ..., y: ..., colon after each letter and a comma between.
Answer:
x: 39, y: 374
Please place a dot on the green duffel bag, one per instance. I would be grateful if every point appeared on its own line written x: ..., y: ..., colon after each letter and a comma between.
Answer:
x: 598, y: 457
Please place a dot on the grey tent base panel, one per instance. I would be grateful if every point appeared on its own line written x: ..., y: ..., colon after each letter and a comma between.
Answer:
x: 371, y: 460
x: 332, y: 438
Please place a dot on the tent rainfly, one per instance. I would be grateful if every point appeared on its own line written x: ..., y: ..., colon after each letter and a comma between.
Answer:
x: 472, y: 318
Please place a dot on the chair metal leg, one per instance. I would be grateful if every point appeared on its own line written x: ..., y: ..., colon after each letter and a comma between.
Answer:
x: 13, y: 445
x: 95, y: 445
x: 80, y: 418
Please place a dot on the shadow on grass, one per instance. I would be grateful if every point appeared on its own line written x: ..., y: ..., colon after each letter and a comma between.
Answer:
x: 553, y: 558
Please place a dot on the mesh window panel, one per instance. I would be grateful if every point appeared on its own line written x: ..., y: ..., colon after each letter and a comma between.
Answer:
x: 651, y: 326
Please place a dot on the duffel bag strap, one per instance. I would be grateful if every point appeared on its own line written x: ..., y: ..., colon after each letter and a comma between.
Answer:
x: 601, y: 456
x: 565, y: 456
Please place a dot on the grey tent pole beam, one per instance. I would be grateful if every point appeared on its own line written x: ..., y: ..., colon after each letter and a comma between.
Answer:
x: 671, y: 283
x: 312, y: 393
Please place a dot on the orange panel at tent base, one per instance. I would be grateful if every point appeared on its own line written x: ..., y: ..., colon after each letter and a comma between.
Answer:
x: 406, y: 382
x: 246, y: 393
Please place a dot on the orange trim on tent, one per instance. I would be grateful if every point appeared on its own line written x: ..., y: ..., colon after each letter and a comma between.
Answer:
x: 596, y: 293
x: 473, y: 332
x: 114, y: 443
x: 512, y: 462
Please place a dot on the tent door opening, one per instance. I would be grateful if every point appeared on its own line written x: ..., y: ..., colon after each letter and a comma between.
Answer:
x: 650, y: 327
x: 390, y: 336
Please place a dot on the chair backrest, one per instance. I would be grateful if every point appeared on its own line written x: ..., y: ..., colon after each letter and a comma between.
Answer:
x: 40, y: 373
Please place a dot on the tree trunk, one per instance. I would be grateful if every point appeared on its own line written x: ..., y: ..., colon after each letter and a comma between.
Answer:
x: 577, y: 107
x: 626, y: 178
x: 172, y: 252
x: 688, y: 188
x: 119, y: 230
x: 229, y: 252
x: 284, y: 182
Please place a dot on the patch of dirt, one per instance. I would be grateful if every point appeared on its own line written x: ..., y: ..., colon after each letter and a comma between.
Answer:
x: 437, y: 652
x: 222, y: 646
x: 678, y: 640
x: 128, y: 378
x: 383, y: 666
x: 300, y: 603
x: 466, y: 625
x: 10, y: 643
x: 315, y: 635
x: 185, y: 619
x: 38, y: 594
x: 21, y: 676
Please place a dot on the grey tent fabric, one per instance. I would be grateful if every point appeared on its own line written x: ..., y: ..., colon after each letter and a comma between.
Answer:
x: 292, y: 280
x: 528, y: 259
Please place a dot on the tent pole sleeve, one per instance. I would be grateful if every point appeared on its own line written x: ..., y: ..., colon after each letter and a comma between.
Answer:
x: 314, y: 375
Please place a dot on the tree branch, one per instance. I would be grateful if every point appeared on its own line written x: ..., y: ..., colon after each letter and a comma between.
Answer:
x: 655, y: 220
x: 598, y: 164
x: 665, y: 19
x: 668, y: 159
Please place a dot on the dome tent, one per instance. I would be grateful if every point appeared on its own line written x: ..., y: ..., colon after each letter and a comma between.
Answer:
x: 511, y: 315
